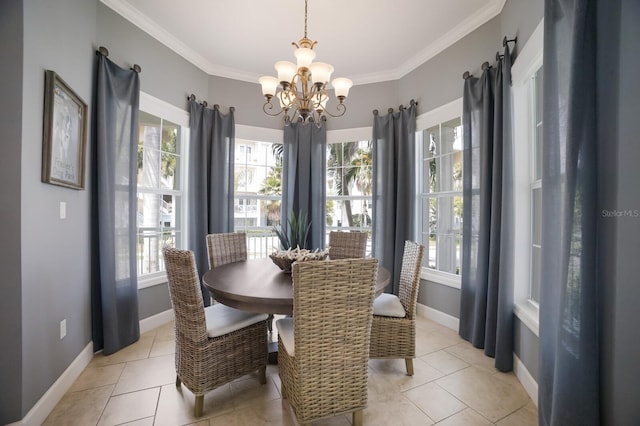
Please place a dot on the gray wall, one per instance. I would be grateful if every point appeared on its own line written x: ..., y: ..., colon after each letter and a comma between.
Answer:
x: 55, y: 256
x: 440, y: 297
x: 619, y: 238
x: 11, y: 14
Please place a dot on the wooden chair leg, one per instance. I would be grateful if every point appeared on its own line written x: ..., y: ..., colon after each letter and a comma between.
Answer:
x: 178, y: 382
x: 262, y: 374
x: 409, y: 363
x: 199, y: 405
x: 357, y: 418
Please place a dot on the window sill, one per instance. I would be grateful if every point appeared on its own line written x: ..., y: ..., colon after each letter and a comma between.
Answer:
x: 439, y: 277
x: 529, y: 315
x: 152, y: 280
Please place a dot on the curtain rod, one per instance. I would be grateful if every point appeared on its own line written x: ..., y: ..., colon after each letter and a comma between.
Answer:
x: 192, y: 97
x: 103, y: 51
x: 401, y: 107
x: 486, y: 65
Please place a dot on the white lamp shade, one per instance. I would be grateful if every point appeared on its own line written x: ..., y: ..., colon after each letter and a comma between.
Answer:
x: 304, y: 56
x: 342, y: 86
x: 286, y: 70
x: 320, y: 72
x: 269, y: 85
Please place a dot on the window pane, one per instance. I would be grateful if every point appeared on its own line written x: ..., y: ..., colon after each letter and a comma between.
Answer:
x: 536, y: 216
x: 457, y: 171
x: 169, y: 171
x: 537, y: 120
x: 535, y: 273
x: 431, y: 141
x: 451, y: 136
x: 170, y: 137
x: 149, y: 151
x: 431, y: 257
x: 150, y: 244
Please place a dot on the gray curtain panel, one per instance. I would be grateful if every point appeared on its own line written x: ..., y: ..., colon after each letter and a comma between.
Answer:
x: 394, y: 187
x: 210, y: 178
x: 486, y: 302
x: 569, y: 347
x: 115, y: 281
x: 303, y: 170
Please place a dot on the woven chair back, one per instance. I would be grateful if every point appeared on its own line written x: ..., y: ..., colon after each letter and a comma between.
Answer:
x: 186, y: 297
x: 347, y: 245
x: 332, y: 313
x: 410, y: 277
x: 226, y: 248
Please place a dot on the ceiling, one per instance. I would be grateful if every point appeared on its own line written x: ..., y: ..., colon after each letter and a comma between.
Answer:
x: 365, y: 40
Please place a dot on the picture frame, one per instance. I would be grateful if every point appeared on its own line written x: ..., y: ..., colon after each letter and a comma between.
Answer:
x: 64, y: 141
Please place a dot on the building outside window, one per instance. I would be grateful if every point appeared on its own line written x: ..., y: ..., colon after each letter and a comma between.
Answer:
x: 257, y: 194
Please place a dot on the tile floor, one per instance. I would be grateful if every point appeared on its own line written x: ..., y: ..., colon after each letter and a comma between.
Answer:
x: 454, y: 384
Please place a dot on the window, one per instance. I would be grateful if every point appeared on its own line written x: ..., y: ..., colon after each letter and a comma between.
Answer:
x: 527, y: 127
x: 257, y: 194
x: 536, y: 188
x: 440, y: 227
x: 349, y: 187
x: 161, y: 156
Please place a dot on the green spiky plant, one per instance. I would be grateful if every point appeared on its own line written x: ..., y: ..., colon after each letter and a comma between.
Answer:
x: 298, y: 233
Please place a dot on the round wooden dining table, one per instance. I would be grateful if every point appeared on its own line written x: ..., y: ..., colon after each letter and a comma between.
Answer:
x: 258, y: 285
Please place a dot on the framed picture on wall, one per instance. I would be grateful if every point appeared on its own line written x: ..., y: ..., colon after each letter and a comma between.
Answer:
x: 64, y: 142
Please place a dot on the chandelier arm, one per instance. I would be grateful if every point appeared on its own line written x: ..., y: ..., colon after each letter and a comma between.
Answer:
x: 341, y: 108
x: 267, y: 107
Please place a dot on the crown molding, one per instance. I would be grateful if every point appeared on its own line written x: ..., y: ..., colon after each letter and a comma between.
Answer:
x: 133, y: 15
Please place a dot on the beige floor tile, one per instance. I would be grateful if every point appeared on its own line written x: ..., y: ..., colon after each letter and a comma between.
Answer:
x: 80, y: 408
x: 397, y: 411
x: 175, y: 405
x: 204, y: 422
x: 162, y: 347
x: 474, y: 356
x: 94, y: 377
x: 273, y: 412
x: 147, y: 421
x: 526, y: 416
x: 491, y: 397
x: 444, y: 362
x: 436, y: 402
x: 146, y: 373
x: 394, y: 372
x: 249, y: 391
x: 130, y: 406
x: 135, y: 351
x: 466, y: 417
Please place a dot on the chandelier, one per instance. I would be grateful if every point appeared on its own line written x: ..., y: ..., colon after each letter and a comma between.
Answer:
x: 302, y: 88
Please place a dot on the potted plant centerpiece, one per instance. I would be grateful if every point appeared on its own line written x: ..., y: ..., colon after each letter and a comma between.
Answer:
x: 293, y: 243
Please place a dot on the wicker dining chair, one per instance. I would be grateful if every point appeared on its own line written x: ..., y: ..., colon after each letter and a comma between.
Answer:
x: 347, y: 245
x: 216, y: 344
x: 393, y: 333
x: 226, y: 248
x: 323, y: 350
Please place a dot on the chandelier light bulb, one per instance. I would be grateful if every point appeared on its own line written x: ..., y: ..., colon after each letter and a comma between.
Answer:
x: 320, y: 72
x: 341, y: 86
x: 286, y: 71
x: 269, y: 85
x: 304, y: 56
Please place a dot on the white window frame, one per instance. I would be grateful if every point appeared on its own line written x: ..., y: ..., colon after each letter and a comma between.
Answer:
x: 528, y: 62
x: 425, y: 121
x: 160, y: 108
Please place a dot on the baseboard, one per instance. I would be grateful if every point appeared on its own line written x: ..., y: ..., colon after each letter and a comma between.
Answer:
x: 526, y: 379
x: 156, y: 320
x: 440, y: 317
x: 37, y: 415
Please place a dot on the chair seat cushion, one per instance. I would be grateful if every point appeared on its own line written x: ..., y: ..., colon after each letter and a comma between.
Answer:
x: 388, y: 305
x: 285, y: 331
x: 222, y: 319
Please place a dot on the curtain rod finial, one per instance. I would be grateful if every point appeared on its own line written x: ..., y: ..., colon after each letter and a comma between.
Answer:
x: 103, y: 51
x: 136, y: 68
x: 390, y: 110
x: 505, y: 41
x: 466, y: 75
x: 232, y: 109
x: 191, y: 97
x: 375, y: 112
x: 485, y: 66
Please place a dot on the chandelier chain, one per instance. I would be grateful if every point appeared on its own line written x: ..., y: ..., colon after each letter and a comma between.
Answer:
x: 305, y: 18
